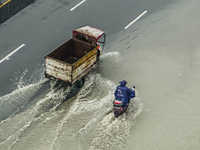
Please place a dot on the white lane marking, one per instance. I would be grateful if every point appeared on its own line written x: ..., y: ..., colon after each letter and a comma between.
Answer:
x: 135, y: 19
x: 14, y: 51
x: 77, y: 5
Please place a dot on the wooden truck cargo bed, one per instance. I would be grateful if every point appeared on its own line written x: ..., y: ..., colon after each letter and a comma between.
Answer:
x: 76, y: 57
x: 71, y: 61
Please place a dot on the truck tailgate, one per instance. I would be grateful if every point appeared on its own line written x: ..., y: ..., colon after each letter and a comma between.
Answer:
x: 58, y: 69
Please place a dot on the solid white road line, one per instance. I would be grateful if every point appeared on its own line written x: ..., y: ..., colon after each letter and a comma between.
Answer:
x: 7, y: 57
x: 135, y: 19
x: 77, y: 5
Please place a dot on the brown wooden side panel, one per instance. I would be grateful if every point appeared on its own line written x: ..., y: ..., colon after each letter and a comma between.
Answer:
x: 58, y: 69
x: 84, y: 58
x: 84, y: 65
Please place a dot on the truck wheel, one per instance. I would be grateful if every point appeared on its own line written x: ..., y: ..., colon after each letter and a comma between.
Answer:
x: 80, y: 82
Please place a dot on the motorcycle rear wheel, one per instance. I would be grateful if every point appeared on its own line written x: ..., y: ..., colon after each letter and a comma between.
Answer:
x: 116, y: 114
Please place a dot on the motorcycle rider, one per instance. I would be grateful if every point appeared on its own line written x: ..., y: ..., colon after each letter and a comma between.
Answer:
x: 124, y: 93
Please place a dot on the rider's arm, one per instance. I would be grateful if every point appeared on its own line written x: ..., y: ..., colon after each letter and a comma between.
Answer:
x: 116, y: 92
x: 132, y: 93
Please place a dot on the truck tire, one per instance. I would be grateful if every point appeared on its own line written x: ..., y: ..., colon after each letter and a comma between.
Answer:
x: 80, y: 82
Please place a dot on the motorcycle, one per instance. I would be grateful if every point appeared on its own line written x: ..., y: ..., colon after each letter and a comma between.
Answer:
x: 119, y: 108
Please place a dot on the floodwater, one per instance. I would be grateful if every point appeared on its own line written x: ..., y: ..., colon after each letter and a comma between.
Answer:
x: 159, y: 54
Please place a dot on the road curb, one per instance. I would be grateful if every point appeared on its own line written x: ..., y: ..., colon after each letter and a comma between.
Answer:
x: 10, y: 7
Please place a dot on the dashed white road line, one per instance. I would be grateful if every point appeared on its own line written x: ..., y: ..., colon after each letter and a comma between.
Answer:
x: 14, y: 51
x: 132, y: 22
x: 77, y: 5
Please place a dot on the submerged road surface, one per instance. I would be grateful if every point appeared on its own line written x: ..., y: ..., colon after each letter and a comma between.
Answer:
x: 158, y: 53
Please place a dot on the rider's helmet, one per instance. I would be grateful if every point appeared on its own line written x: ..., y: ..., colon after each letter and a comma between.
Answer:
x: 122, y: 83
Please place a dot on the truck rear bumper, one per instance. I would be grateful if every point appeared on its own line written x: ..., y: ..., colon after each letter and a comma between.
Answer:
x: 56, y: 79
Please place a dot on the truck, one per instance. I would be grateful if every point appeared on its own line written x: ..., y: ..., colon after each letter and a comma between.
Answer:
x: 71, y: 61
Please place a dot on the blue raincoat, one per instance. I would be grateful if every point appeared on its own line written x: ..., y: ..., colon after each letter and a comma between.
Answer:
x: 124, y: 93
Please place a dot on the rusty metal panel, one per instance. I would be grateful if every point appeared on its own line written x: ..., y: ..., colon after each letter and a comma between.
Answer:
x: 85, y: 58
x: 85, y: 67
x: 58, y: 69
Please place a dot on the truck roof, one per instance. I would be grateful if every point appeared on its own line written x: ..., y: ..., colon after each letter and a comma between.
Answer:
x: 90, y: 31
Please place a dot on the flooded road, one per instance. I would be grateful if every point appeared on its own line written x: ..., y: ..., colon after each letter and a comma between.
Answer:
x: 159, y: 54
x: 82, y: 122
x: 161, y: 57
